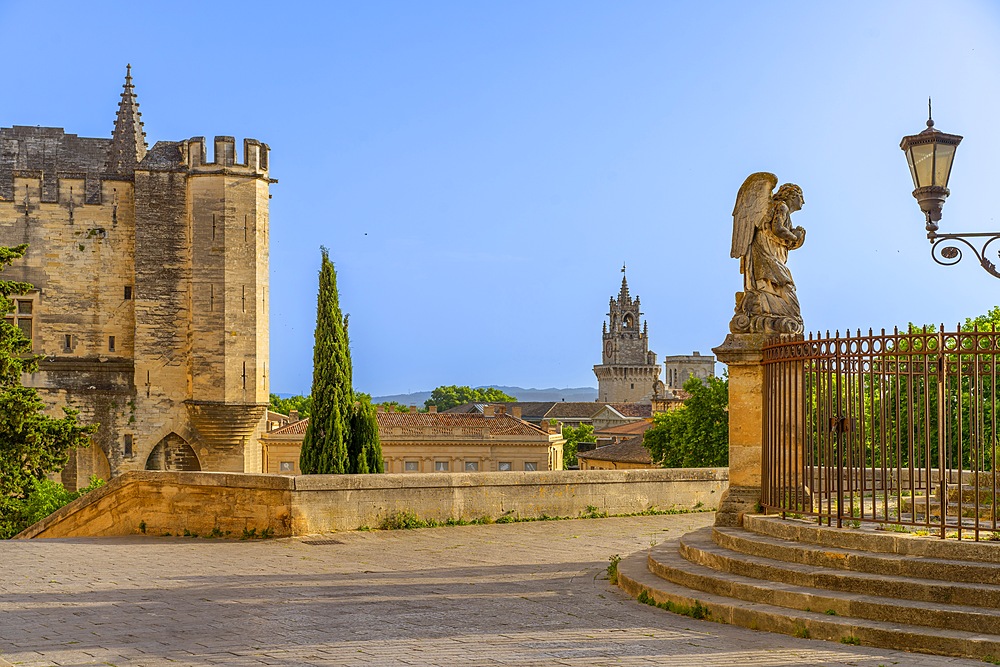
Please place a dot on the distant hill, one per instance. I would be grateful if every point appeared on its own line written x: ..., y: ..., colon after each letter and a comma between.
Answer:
x: 522, y: 394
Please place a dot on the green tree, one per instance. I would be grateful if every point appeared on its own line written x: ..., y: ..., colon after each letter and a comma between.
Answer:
x: 365, y: 449
x: 446, y: 397
x: 324, y: 448
x: 695, y: 435
x: 285, y: 405
x: 395, y: 406
x: 32, y: 444
x: 574, y: 436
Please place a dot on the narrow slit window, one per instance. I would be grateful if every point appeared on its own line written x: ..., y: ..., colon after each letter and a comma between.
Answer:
x: 128, y: 292
x: 68, y: 342
x: 128, y: 446
x: 111, y: 343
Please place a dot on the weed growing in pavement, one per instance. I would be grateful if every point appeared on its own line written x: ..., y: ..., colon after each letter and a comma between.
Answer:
x: 613, y: 568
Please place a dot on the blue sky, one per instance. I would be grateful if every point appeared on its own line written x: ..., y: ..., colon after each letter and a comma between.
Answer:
x: 481, y: 170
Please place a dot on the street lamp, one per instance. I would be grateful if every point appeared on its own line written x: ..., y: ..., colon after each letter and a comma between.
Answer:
x: 930, y: 155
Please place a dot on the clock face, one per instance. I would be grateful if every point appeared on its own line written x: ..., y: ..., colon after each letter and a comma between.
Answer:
x: 608, y: 349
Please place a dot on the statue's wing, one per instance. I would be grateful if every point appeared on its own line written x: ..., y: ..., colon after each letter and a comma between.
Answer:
x: 751, y: 207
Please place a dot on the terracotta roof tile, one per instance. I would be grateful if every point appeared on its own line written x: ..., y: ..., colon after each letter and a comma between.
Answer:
x: 634, y: 409
x: 626, y: 451
x: 574, y: 410
x: 637, y: 427
x: 415, y: 423
x: 295, y: 428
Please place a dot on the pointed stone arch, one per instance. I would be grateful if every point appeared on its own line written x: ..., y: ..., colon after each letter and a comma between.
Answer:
x: 84, y: 463
x: 173, y: 453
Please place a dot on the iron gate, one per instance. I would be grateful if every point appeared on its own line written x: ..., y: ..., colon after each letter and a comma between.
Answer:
x: 897, y: 429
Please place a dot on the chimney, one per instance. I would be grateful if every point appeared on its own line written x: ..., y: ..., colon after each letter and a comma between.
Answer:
x: 515, y: 411
x: 432, y: 409
x: 293, y: 415
x: 500, y: 409
x: 413, y: 408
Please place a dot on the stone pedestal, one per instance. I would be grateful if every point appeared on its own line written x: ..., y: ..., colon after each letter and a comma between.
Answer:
x: 742, y: 353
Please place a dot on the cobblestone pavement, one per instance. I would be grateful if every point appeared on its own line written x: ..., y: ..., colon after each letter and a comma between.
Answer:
x: 515, y: 594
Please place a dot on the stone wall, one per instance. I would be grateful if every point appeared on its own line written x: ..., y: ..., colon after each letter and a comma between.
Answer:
x: 227, y: 504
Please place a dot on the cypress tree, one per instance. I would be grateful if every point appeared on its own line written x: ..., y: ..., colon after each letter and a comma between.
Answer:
x: 365, y: 449
x: 324, y: 449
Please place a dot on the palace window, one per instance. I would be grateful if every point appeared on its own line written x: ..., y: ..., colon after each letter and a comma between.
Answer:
x: 440, y: 466
x: 411, y: 466
x: 286, y: 466
x: 22, y: 316
x: 471, y: 466
x: 530, y: 466
x: 504, y: 466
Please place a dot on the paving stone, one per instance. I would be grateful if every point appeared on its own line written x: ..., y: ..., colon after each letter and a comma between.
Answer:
x: 515, y: 594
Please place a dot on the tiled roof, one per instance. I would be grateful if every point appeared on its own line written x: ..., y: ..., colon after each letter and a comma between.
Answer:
x: 574, y: 410
x: 626, y: 451
x: 443, y: 423
x: 464, y: 409
x: 295, y: 428
x: 637, y: 427
x: 530, y: 410
x: 634, y: 409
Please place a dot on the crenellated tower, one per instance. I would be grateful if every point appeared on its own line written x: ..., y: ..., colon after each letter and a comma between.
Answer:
x: 150, y: 305
x: 628, y: 369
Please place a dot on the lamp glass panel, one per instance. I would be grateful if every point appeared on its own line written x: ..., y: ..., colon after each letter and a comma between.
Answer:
x: 942, y: 164
x: 913, y: 171
x: 923, y: 164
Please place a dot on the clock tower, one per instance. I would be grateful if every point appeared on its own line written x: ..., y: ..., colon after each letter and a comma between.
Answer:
x: 628, y: 369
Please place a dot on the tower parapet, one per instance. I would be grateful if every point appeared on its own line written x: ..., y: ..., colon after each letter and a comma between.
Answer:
x: 224, y: 157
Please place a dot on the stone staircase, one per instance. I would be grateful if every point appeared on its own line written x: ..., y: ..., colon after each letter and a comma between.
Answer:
x: 876, y: 588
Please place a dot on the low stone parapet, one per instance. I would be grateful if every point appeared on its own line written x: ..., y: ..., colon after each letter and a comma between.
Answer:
x: 236, y: 505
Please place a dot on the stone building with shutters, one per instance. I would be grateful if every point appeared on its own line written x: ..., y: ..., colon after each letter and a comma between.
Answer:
x: 489, y: 441
x: 150, y: 301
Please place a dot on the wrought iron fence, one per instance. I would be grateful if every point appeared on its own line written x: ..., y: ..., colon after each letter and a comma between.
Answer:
x: 897, y: 429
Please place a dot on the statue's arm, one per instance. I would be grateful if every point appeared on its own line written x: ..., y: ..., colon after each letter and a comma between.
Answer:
x: 780, y: 225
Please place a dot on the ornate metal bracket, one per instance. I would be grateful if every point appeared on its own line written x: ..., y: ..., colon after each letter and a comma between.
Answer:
x: 949, y: 255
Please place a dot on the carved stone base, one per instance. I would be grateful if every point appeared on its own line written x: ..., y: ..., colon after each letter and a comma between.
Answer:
x: 735, y: 502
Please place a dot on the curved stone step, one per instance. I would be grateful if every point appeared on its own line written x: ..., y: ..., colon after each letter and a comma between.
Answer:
x: 904, y: 544
x: 671, y: 565
x: 634, y: 577
x: 807, y: 553
x: 698, y: 547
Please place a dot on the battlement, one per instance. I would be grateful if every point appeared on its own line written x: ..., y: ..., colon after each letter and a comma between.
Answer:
x: 255, y: 155
x: 31, y: 189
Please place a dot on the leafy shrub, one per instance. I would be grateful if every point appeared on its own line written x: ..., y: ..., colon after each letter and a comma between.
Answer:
x: 44, y: 498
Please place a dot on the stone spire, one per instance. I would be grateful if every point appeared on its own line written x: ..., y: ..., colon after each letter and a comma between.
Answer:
x: 128, y: 143
x: 623, y: 294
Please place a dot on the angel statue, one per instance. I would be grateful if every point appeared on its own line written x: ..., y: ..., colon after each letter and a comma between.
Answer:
x: 762, y: 236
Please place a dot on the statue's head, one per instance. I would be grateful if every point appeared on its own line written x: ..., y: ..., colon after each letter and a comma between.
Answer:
x: 791, y: 194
